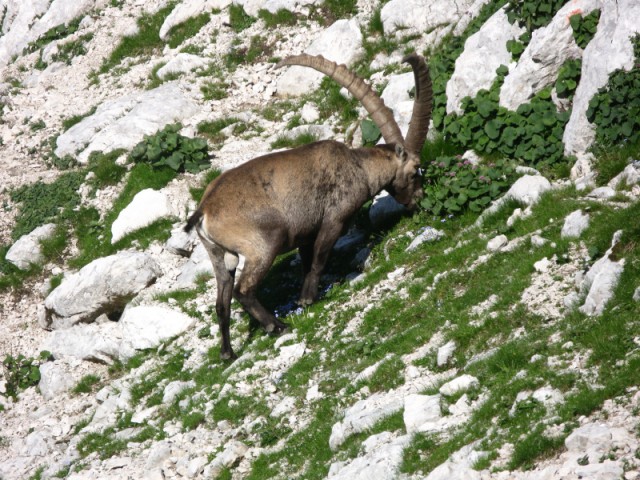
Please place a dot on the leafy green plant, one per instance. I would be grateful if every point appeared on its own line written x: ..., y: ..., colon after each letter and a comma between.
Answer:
x: 21, y: 372
x: 41, y: 202
x: 532, y: 14
x: 532, y: 134
x: 452, y: 184
x: 56, y: 33
x: 584, y: 27
x: 38, y: 125
x: 568, y: 78
x: 516, y: 47
x: 370, y: 132
x: 615, y: 108
x: 168, y: 148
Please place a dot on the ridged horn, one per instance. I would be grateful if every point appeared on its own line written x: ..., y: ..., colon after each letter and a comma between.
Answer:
x: 419, y: 125
x: 381, y: 115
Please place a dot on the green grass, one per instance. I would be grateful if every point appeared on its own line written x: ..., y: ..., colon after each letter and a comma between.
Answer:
x: 286, y: 142
x: 239, y: 20
x: 185, y: 30
x: 145, y: 42
x: 87, y: 384
x: 281, y: 17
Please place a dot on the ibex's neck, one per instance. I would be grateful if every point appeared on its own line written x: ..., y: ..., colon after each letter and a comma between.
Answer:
x: 379, y: 167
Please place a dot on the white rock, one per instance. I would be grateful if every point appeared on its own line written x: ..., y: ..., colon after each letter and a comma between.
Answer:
x: 420, y: 410
x: 381, y: 459
x: 341, y: 43
x: 549, y: 48
x: 158, y: 453
x: 234, y: 450
x: 602, y: 192
x: 122, y: 123
x: 173, y: 389
x: 181, y: 63
x: 146, y: 327
x: 459, y: 466
x: 636, y: 295
x: 27, y: 249
x: 309, y: 113
x: 610, y: 49
x: 187, y: 10
x: 181, y: 242
x: 198, y: 264
x: 463, y: 383
x: 575, y: 223
x: 629, y: 176
x: 146, y: 207
x: 484, y: 52
x: 497, y: 243
x: 409, y: 17
x: 55, y: 378
x: 542, y: 266
x: 445, y: 353
x: 538, y: 241
x: 104, y: 285
x: 526, y: 190
x: 427, y: 234
x: 143, y: 415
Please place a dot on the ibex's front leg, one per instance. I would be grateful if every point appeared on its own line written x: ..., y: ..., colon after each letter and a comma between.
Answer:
x: 254, y: 270
x: 315, y: 258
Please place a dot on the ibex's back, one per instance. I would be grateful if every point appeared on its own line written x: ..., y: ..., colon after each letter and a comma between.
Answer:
x: 302, y: 198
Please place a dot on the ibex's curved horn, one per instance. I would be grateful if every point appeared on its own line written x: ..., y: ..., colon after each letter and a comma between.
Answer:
x: 380, y: 113
x: 419, y: 125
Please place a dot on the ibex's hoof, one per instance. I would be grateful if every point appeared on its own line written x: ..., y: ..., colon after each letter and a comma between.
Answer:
x: 305, y: 302
x: 277, y: 328
x: 230, y: 355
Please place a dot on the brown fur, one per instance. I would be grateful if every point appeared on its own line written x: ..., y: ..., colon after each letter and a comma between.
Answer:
x: 300, y: 198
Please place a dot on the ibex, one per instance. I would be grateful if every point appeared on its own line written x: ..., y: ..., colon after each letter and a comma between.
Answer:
x: 302, y: 198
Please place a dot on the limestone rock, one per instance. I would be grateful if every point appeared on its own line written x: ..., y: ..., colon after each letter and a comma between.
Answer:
x: 123, y: 122
x: 610, y: 49
x: 341, y: 43
x: 187, y: 10
x: 27, y: 250
x: 483, y: 53
x: 426, y: 234
x: 181, y: 63
x: 55, y: 378
x: 463, y: 383
x: 497, y: 243
x: 145, y: 327
x: 146, y: 207
x: 575, y: 223
x: 445, y: 353
x: 549, y: 48
x: 103, y: 286
x: 419, y: 410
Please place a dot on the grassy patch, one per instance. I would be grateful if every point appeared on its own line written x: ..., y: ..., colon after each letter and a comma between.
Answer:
x: 145, y: 42
x: 87, y: 384
x: 185, y: 30
x: 286, y: 142
x: 239, y: 20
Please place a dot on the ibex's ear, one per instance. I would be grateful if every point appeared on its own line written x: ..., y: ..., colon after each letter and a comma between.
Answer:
x: 401, y: 152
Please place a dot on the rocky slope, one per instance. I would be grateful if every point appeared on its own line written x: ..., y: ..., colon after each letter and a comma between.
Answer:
x: 499, y: 347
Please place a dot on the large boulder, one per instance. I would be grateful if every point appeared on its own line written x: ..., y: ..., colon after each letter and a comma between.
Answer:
x: 484, y: 52
x: 549, y: 48
x: 610, y: 49
x: 123, y: 122
x: 341, y: 43
x: 146, y: 327
x: 104, y: 286
x: 27, y: 249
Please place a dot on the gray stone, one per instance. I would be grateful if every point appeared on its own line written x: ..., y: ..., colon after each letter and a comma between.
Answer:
x: 198, y: 264
x: 602, y: 193
x: 173, y: 389
x: 575, y: 223
x: 629, y: 176
x: 103, y: 286
x: 27, y: 249
x: 233, y: 451
x: 180, y: 242
x: 55, y: 378
x: 385, y: 210
x: 636, y: 295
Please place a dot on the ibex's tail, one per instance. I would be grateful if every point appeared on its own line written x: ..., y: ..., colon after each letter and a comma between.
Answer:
x: 193, y: 220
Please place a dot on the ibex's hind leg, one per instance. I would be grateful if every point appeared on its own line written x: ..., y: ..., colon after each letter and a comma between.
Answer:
x: 224, y: 267
x: 254, y: 270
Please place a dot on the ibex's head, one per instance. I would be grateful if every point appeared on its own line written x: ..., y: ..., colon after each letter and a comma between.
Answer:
x: 406, y: 186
